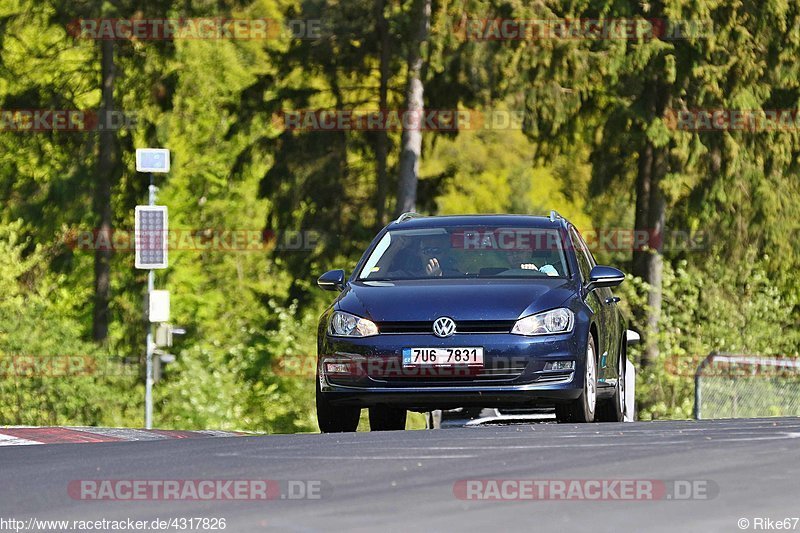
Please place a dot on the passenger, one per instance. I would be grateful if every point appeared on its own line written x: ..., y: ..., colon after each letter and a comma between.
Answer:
x: 520, y: 259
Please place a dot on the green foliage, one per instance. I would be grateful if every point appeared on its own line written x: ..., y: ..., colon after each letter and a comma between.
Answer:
x: 247, y: 360
x: 708, y: 307
x: 245, y: 379
x: 490, y: 171
x: 48, y: 375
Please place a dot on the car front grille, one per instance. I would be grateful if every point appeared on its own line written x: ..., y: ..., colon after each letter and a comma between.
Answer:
x: 463, y: 326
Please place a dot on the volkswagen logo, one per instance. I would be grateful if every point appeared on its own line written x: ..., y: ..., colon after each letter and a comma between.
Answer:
x: 444, y: 326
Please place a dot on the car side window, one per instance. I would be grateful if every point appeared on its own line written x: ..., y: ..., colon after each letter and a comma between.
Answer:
x: 580, y: 254
x: 585, y: 247
x: 589, y: 256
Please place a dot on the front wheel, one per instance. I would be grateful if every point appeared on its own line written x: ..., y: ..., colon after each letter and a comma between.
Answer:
x: 433, y: 419
x: 613, y: 409
x: 582, y: 409
x: 333, y: 418
x: 383, y: 418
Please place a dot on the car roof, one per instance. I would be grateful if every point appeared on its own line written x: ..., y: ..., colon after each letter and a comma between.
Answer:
x: 477, y: 220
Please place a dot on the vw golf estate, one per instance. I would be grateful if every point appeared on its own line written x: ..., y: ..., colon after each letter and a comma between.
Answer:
x: 503, y: 311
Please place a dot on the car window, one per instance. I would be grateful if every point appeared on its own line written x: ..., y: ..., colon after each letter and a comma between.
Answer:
x: 584, y: 264
x: 586, y: 250
x: 474, y: 252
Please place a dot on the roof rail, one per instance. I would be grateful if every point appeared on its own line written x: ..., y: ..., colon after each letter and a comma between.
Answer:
x: 554, y: 215
x: 408, y: 216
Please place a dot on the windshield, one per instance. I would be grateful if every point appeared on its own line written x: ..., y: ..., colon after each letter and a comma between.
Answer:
x: 475, y: 252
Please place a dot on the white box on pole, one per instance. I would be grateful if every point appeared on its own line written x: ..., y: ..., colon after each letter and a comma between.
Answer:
x: 158, y: 306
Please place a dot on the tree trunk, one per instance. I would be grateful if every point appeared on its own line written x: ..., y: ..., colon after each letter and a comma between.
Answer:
x: 382, y: 143
x: 639, y: 267
x: 654, y: 260
x: 106, y: 165
x: 412, y: 133
x: 648, y: 263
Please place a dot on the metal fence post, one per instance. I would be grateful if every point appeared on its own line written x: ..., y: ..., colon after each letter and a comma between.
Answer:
x: 697, y: 388
x: 697, y: 397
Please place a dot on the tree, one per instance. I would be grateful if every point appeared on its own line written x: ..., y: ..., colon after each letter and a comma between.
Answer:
x: 108, y: 171
x: 382, y: 140
x: 411, y: 146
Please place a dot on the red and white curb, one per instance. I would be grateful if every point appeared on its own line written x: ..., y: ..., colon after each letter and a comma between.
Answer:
x: 21, y: 436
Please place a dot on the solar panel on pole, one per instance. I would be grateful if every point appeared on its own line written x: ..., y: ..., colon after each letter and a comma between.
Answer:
x: 150, y: 237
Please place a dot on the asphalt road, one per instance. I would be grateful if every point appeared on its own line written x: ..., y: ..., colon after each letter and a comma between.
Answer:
x: 404, y: 481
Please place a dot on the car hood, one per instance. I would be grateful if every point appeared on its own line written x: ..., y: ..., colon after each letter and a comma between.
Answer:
x: 426, y: 300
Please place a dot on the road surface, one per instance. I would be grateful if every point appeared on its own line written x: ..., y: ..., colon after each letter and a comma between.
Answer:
x: 404, y: 481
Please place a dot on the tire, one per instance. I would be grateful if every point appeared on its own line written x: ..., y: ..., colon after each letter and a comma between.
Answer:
x: 613, y: 409
x: 582, y: 409
x: 383, y: 418
x: 333, y: 418
x: 433, y: 419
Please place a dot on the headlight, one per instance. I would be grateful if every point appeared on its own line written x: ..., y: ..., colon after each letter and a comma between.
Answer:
x: 343, y: 324
x: 547, y: 323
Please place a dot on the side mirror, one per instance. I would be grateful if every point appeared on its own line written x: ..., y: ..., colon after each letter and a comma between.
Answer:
x: 604, y: 276
x: 333, y: 280
x: 631, y: 337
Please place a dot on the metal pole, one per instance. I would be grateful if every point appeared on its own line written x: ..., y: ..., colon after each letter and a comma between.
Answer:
x: 698, y: 374
x: 697, y: 397
x: 148, y: 389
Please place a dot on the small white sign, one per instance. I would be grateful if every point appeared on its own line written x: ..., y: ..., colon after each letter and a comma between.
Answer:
x: 152, y: 160
x: 159, y: 306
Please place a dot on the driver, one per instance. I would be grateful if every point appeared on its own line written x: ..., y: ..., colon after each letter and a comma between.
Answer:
x: 436, y: 259
x: 433, y: 268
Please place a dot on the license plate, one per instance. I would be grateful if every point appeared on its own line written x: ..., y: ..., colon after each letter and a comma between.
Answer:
x: 442, y: 356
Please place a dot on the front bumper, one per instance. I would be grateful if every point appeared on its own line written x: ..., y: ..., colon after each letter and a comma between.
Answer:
x: 513, y: 373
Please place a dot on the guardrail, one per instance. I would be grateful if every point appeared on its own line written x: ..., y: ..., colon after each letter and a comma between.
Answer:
x: 744, y: 386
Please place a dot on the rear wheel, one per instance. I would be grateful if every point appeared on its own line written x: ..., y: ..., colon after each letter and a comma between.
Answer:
x: 334, y: 418
x: 613, y: 409
x: 383, y: 418
x: 582, y: 409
